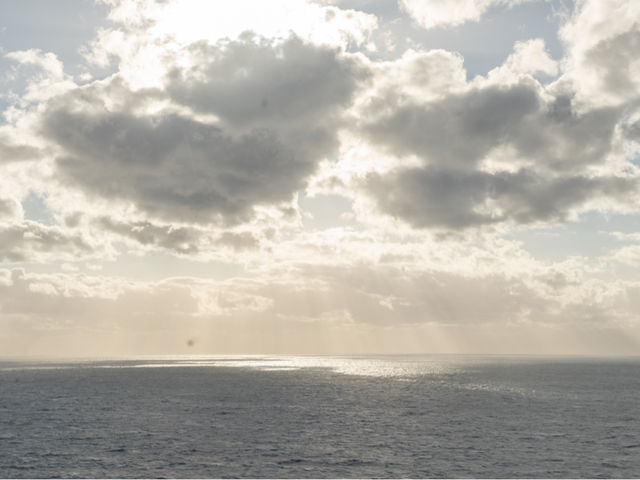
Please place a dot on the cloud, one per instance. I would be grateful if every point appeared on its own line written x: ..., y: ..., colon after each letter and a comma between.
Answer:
x: 528, y: 57
x: 183, y: 240
x: 311, y: 303
x: 9, y: 209
x: 188, y: 21
x: 47, y: 61
x: 33, y: 242
x: 501, y: 149
x: 47, y: 77
x: 278, y: 108
x: 458, y: 130
x: 629, y: 254
x: 147, y: 31
x: 74, y: 314
x: 424, y: 74
x: 463, y: 290
x: 443, y: 13
x: 389, y: 296
x: 453, y: 199
x: 256, y: 82
x: 11, y: 151
x: 602, y: 65
x: 175, y: 168
x: 238, y: 241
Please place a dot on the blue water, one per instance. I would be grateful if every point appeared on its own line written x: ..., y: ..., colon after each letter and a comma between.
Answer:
x: 428, y: 416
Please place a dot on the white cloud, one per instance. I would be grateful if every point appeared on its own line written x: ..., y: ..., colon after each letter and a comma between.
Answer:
x: 147, y: 31
x: 188, y: 21
x: 426, y: 75
x: 441, y: 13
x: 528, y: 57
x: 49, y: 81
x: 601, y: 40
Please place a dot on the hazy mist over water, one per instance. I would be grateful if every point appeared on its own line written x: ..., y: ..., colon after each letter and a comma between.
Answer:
x: 261, y: 416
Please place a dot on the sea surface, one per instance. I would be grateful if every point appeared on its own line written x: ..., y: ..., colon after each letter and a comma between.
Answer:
x: 282, y: 416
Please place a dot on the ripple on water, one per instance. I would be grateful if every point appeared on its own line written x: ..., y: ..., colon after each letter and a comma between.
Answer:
x: 276, y: 416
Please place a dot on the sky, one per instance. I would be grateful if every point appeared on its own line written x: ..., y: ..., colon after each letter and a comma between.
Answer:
x: 319, y: 177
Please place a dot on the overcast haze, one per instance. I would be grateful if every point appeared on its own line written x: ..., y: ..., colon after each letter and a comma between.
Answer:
x: 355, y: 176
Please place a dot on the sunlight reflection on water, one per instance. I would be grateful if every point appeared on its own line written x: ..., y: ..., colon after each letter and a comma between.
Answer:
x: 357, y: 366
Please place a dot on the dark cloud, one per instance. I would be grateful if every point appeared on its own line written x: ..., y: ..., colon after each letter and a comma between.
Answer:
x: 461, y: 129
x: 257, y: 82
x: 432, y: 197
x: 548, y: 140
x: 455, y: 131
x: 174, y: 167
x: 560, y: 139
x: 278, y: 109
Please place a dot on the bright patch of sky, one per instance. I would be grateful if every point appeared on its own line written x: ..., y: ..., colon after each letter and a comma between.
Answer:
x: 484, y: 45
x: 590, y: 236
x: 36, y: 209
x: 61, y: 28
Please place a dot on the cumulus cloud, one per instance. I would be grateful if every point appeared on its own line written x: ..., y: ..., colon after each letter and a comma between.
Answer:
x: 498, y: 149
x: 456, y: 131
x: 602, y: 65
x: 629, y: 254
x: 256, y: 82
x: 48, y: 79
x: 424, y: 74
x: 528, y: 57
x: 175, y: 168
x: 446, y: 198
x: 278, y: 108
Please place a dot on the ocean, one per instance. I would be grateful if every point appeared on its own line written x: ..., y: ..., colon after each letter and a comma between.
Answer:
x: 319, y: 417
